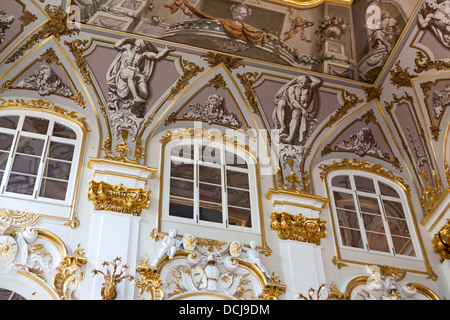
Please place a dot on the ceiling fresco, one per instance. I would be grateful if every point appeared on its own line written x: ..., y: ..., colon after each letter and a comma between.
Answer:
x: 343, y: 38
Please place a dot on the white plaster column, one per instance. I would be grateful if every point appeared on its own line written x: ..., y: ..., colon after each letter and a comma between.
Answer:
x: 114, y: 234
x: 302, y: 262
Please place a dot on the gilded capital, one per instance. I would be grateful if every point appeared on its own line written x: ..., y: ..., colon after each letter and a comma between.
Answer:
x: 298, y: 228
x: 441, y: 241
x: 118, y: 198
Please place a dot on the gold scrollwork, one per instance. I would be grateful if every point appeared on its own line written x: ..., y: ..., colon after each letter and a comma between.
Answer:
x: 441, y: 241
x: 118, y: 198
x: 190, y: 70
x: 150, y: 282
x: 214, y: 59
x: 401, y: 77
x: 298, y: 228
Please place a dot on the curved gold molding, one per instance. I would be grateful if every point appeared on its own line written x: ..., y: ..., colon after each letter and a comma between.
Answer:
x: 305, y: 4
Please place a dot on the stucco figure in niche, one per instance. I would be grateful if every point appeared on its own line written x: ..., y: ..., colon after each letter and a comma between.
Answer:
x: 362, y: 143
x: 45, y: 81
x: 5, y: 22
x: 169, y: 246
x: 212, y: 112
x: 441, y: 99
x: 296, y: 106
x: 253, y: 257
x: 436, y: 16
x: 385, y: 34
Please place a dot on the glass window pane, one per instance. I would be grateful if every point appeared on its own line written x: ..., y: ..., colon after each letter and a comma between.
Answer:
x: 364, y: 184
x: 1, y: 176
x: 53, y: 189
x: 61, y: 151
x: 403, y: 246
x: 369, y: 205
x: 373, y: 222
x: 210, y: 193
x: 26, y: 164
x: 3, y: 159
x: 211, y: 175
x: 209, y: 154
x: 398, y: 227
x: 57, y: 169
x: 351, y: 238
x: 182, y: 209
x: 182, y: 188
x: 36, y: 125
x: 21, y: 184
x: 239, y: 198
x: 30, y: 146
x: 387, y: 190
x: 237, y: 179
x: 344, y: 200
x: 341, y: 181
x: 60, y: 130
x: 6, y: 141
x: 377, y: 242
x: 239, y: 217
x: 211, y: 213
x: 182, y: 170
x: 9, y: 122
x: 347, y: 219
x: 393, y: 209
x: 183, y: 151
x: 232, y: 159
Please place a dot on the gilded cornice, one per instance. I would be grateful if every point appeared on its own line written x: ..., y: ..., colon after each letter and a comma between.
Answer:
x: 441, y: 241
x: 118, y: 198
x: 298, y: 228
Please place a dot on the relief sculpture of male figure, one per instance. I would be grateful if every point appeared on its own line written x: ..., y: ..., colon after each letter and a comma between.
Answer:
x: 296, y: 106
x: 130, y: 71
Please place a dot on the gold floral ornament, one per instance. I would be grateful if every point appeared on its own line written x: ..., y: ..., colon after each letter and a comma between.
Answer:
x: 441, y: 241
x: 150, y: 282
x: 298, y: 228
x: 118, y: 198
x: 112, y: 277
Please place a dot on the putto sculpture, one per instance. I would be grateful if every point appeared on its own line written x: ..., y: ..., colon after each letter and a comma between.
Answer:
x: 436, y: 16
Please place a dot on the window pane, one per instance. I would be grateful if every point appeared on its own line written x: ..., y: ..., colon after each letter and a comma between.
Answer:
x: 369, y: 205
x: 36, y: 125
x: 387, y: 190
x: 344, y: 200
x: 351, y: 238
x: 403, y: 246
x: 211, y: 175
x: 183, y: 151
x: 6, y: 141
x: 61, y: 151
x: 182, y: 188
x: 238, y: 198
x: 210, y: 193
x: 364, y: 184
x: 373, y: 222
x: 237, y: 179
x: 3, y: 159
x: 26, y: 164
x: 30, y: 146
x: 347, y: 219
x: 21, y: 184
x: 209, y: 154
x: 57, y: 169
x: 341, y: 181
x: 211, y: 213
x: 377, y: 242
x: 9, y: 122
x: 182, y: 209
x: 53, y: 189
x: 232, y: 159
x: 398, y: 227
x: 239, y: 217
x: 182, y: 170
x: 393, y: 209
x: 60, y: 130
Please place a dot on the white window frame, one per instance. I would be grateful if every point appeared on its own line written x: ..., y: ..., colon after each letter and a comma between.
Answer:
x: 402, y: 199
x: 252, y: 176
x: 75, y: 163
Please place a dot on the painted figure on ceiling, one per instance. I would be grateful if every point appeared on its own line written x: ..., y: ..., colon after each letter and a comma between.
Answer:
x: 296, y: 106
x: 130, y: 72
x: 386, y: 34
x: 436, y: 16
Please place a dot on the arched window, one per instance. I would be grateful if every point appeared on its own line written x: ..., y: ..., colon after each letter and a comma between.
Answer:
x: 39, y: 156
x: 371, y: 214
x: 210, y: 184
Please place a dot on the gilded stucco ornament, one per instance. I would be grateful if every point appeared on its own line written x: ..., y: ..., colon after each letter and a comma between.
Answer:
x: 112, y: 277
x: 118, y: 198
x: 441, y: 242
x: 401, y: 77
x: 298, y: 228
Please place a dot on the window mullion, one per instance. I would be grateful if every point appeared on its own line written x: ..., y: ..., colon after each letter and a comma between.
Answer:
x: 41, y: 170
x: 387, y: 230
